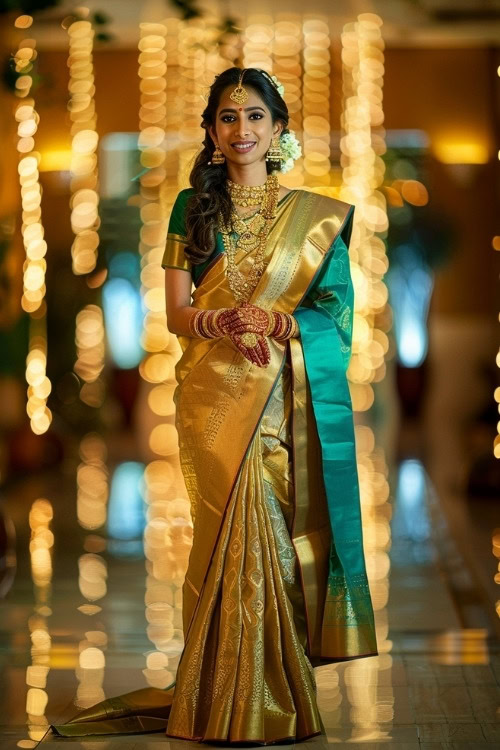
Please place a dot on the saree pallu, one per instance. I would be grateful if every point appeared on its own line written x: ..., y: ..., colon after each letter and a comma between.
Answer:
x: 276, y: 580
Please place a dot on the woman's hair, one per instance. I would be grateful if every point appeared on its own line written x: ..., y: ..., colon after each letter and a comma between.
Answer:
x: 211, y: 195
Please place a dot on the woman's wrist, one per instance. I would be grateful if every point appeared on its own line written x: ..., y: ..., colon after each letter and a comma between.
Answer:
x: 211, y: 324
x: 285, y: 327
x: 204, y: 324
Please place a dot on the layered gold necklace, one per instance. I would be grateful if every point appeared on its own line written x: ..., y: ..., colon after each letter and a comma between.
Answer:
x: 252, y: 233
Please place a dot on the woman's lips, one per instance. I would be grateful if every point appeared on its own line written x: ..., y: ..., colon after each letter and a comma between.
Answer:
x: 243, y: 148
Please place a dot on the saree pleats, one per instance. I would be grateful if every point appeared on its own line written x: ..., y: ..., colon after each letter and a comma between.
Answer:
x: 244, y: 674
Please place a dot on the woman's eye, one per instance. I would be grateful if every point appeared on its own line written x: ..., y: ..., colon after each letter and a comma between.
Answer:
x: 232, y: 118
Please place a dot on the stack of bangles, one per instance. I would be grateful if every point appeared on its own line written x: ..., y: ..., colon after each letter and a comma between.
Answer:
x: 284, y: 326
x: 204, y: 324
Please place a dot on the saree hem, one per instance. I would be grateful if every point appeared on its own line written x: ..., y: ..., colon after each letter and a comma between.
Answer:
x: 245, y: 742
x: 322, y: 661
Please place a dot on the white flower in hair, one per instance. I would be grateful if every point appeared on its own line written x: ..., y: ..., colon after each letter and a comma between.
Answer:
x: 291, y: 150
x: 279, y: 85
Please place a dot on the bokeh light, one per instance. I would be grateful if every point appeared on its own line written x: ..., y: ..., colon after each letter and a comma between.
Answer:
x: 84, y: 200
x: 362, y: 145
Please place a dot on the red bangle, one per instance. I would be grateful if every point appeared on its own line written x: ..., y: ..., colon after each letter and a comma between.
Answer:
x: 209, y: 323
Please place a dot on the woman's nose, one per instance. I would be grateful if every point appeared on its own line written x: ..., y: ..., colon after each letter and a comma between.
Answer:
x: 242, y: 128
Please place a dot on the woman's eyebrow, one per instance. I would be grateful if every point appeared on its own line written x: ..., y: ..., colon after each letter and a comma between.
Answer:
x: 247, y: 109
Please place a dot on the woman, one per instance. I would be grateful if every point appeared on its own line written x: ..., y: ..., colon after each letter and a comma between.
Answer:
x: 276, y: 580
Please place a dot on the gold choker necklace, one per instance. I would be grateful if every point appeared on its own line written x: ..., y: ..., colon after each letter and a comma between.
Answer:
x: 247, y: 195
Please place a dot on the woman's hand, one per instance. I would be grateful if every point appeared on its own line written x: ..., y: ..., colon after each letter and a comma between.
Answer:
x: 253, y: 347
x: 245, y: 328
x: 277, y: 325
x: 246, y: 319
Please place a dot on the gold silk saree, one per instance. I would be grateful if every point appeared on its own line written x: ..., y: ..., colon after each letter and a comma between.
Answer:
x: 276, y: 581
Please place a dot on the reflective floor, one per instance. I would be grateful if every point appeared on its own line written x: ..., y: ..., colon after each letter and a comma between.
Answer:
x: 93, y: 612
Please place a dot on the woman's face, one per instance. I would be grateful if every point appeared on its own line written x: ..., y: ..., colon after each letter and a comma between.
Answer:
x: 243, y: 132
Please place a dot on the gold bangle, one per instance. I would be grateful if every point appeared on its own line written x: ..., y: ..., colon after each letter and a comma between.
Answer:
x: 204, y: 325
x: 201, y: 325
x: 191, y: 324
x: 282, y: 324
x: 270, y: 325
x: 288, y: 327
x: 197, y: 324
x: 215, y: 322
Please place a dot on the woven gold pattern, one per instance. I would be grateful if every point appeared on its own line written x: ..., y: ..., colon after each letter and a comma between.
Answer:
x: 244, y: 675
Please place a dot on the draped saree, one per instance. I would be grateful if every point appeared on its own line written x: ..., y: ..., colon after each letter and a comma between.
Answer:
x: 276, y: 581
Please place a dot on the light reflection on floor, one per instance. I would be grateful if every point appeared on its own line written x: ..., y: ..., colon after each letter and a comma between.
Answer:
x: 93, y: 616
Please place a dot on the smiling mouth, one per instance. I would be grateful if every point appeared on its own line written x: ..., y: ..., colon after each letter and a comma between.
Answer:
x: 242, y: 148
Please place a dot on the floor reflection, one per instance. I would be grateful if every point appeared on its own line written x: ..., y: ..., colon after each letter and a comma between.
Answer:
x: 98, y: 609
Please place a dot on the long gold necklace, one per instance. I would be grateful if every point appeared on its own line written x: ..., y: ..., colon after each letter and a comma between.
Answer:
x: 252, y: 234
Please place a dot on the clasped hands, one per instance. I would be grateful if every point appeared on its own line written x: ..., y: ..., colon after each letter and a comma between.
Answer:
x: 248, y: 327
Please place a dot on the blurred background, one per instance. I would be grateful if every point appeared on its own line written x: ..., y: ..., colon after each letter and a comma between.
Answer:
x: 396, y: 104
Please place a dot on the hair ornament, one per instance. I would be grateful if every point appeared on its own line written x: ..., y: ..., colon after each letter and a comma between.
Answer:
x: 274, y: 80
x: 290, y: 149
x: 279, y: 85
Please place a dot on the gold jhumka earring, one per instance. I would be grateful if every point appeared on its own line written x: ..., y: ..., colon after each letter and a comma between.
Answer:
x: 239, y: 95
x: 274, y: 152
x: 217, y: 156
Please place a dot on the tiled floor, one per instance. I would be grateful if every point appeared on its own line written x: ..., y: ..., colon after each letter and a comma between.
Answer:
x: 76, y: 627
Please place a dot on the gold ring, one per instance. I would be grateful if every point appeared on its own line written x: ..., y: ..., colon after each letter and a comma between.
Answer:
x: 249, y: 339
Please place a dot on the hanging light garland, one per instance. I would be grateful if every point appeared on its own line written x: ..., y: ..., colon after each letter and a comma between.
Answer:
x: 316, y: 102
x: 92, y: 498
x: 84, y: 199
x: 258, y: 37
x: 32, y: 301
x: 361, y: 147
x: 496, y: 443
x: 91, y: 350
x: 157, y: 365
x: 287, y: 67
x: 152, y: 123
x: 173, y: 121
x: 193, y: 42
x: 41, y: 550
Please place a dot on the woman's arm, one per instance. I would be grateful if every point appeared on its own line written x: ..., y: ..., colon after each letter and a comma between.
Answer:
x: 178, y: 285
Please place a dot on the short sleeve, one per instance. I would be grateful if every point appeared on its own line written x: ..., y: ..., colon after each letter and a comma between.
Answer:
x: 174, y: 256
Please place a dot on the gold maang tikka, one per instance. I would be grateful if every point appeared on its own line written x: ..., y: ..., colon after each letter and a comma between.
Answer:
x: 239, y: 95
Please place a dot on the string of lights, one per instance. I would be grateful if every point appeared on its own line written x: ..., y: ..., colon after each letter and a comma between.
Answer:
x: 90, y: 351
x: 35, y: 265
x: 84, y: 199
x: 91, y: 505
x: 41, y: 550
x: 287, y: 67
x: 361, y: 145
x: 159, y: 157
x: 316, y: 102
